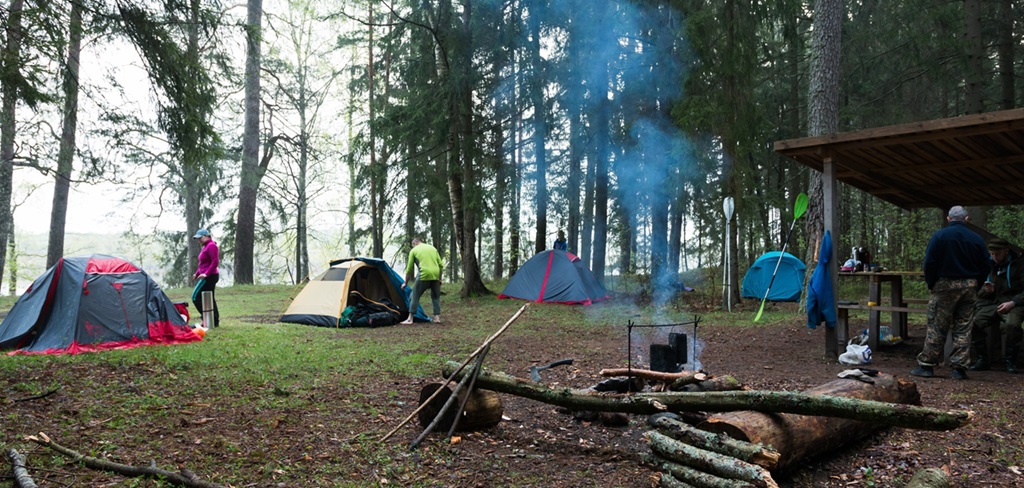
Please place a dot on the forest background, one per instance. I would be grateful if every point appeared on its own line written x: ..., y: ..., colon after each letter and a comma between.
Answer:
x: 300, y: 131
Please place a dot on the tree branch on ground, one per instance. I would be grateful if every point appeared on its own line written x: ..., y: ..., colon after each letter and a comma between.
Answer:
x: 184, y: 478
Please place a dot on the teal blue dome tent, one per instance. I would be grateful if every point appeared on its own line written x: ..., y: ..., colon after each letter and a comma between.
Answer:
x: 789, y: 281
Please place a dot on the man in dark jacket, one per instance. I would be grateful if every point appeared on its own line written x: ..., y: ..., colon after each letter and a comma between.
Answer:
x: 1000, y: 306
x: 955, y: 263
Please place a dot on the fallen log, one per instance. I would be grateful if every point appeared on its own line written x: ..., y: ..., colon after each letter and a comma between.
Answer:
x: 719, y: 465
x: 798, y: 437
x: 710, y: 441
x: 876, y: 412
x: 21, y: 477
x: 680, y: 475
x: 683, y: 376
x: 184, y: 478
x: 930, y: 478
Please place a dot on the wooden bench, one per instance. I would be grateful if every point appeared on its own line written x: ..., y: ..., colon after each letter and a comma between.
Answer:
x: 843, y: 321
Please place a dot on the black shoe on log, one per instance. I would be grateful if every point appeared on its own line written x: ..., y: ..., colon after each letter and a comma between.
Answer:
x: 958, y: 374
x: 923, y: 371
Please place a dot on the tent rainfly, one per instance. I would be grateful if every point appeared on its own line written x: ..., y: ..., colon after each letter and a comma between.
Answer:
x: 789, y: 280
x: 555, y: 277
x: 94, y: 303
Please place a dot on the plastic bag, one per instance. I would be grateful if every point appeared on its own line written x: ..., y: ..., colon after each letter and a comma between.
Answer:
x: 885, y: 337
x: 856, y: 354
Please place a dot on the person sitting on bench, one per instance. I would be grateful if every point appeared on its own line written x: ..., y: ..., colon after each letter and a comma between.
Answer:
x: 1000, y: 306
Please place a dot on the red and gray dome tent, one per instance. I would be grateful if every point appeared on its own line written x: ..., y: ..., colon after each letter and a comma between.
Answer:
x: 555, y: 277
x: 85, y: 304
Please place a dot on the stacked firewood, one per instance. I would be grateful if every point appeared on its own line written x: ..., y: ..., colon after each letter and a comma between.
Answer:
x: 688, y: 456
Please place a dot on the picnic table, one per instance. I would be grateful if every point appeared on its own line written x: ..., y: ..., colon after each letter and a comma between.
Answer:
x: 898, y: 306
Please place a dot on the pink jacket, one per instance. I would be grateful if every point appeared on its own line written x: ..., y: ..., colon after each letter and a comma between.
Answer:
x: 209, y: 258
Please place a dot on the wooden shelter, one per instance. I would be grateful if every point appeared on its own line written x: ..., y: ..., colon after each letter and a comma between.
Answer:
x: 971, y: 160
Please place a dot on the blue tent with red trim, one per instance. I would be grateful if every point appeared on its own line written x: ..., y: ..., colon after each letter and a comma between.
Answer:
x: 555, y: 277
x: 94, y: 303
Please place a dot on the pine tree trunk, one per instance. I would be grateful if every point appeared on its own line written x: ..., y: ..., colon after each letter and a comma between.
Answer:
x: 823, y: 113
x: 192, y: 158
x: 1005, y: 51
x: 245, y: 230
x: 500, y: 203
x: 537, y: 82
x: 66, y: 155
x: 11, y: 53
x: 376, y: 214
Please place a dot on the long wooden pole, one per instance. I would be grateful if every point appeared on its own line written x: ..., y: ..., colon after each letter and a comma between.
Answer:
x: 876, y: 412
x: 457, y: 370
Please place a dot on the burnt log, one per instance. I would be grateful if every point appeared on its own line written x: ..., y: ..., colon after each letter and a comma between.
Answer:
x: 798, y: 437
x: 875, y: 412
x: 483, y: 408
x: 720, y: 465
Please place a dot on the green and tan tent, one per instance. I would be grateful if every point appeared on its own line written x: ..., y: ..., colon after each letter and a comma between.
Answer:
x: 322, y: 301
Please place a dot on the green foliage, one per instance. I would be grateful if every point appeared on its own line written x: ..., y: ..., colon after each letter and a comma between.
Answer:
x: 185, y: 84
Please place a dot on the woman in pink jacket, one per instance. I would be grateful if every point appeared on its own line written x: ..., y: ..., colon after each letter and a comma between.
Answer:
x: 206, y: 273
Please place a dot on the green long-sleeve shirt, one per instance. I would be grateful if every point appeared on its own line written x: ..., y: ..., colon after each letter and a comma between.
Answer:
x: 429, y: 261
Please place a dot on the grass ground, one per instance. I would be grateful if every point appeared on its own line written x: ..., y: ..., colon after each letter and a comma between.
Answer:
x: 264, y: 404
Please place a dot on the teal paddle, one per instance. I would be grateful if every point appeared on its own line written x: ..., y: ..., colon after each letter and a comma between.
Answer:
x: 798, y: 211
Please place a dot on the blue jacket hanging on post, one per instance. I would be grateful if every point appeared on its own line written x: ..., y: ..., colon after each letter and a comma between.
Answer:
x: 820, y: 297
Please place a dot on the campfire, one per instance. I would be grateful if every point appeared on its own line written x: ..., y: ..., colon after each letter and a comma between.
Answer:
x: 706, y: 428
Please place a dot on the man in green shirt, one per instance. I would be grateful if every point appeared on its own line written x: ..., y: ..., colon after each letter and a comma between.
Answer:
x: 429, y: 262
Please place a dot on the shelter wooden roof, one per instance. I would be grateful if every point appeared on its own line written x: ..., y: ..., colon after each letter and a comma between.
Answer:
x: 973, y: 160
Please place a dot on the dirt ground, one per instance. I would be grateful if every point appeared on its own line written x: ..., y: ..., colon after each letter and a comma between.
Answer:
x: 536, y: 446
x: 539, y: 441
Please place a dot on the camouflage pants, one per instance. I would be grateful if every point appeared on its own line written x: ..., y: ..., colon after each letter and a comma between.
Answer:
x: 988, y: 321
x: 950, y: 308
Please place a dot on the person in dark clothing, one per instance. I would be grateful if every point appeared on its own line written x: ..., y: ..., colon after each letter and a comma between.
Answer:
x: 1000, y: 306
x: 560, y: 243
x: 955, y: 262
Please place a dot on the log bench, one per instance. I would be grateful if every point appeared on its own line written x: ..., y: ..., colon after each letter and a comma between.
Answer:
x: 898, y: 327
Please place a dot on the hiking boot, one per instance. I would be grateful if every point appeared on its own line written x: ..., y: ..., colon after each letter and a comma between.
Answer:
x: 437, y: 319
x: 923, y: 371
x: 980, y: 365
x: 1011, y: 366
x: 958, y: 374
